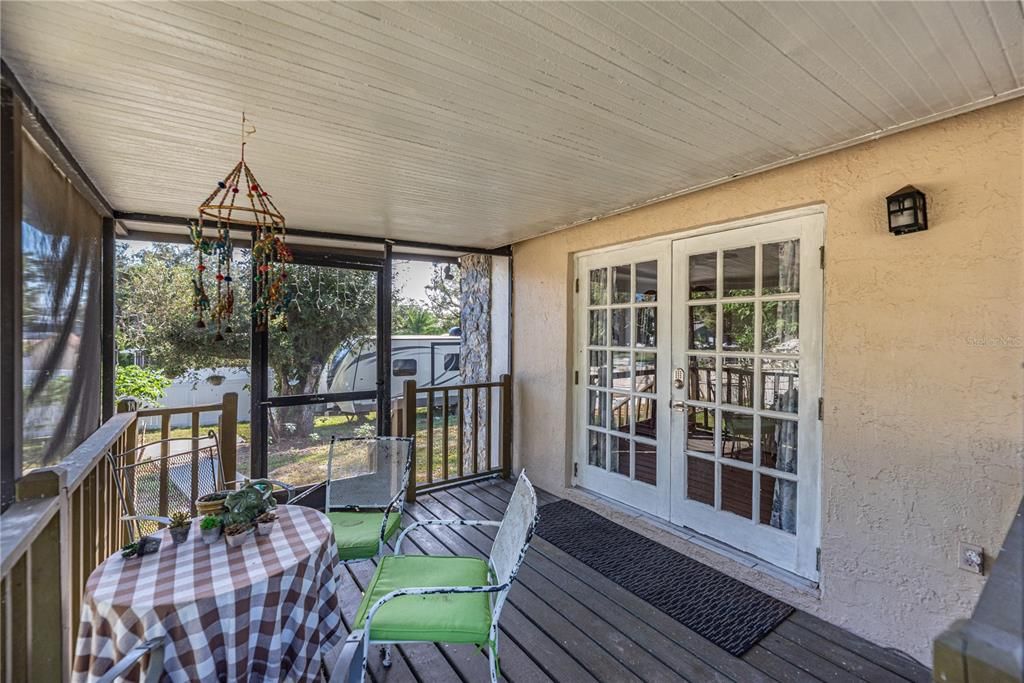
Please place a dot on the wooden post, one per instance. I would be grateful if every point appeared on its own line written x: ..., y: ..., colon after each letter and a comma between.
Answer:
x: 229, y: 435
x: 506, y: 426
x: 409, y: 412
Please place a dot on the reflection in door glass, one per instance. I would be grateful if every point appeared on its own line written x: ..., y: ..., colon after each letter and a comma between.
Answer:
x: 780, y: 327
x: 620, y: 370
x: 701, y: 380
x: 703, y: 276
x: 738, y: 271
x: 737, y: 491
x: 620, y: 326
x: 702, y: 327
x: 738, y: 327
x: 621, y: 276
x: 647, y: 281
x: 647, y: 327
x: 700, y: 480
x: 737, y: 436
x: 645, y: 412
x: 646, y: 457
x: 598, y: 327
x: 737, y: 381
x: 598, y: 401
x: 599, y: 287
x: 779, y: 444
x: 598, y: 373
x: 646, y: 372
x: 780, y: 269
x: 619, y: 456
x: 778, y: 503
x: 597, y: 449
x: 780, y: 381
x: 700, y: 430
x: 620, y: 412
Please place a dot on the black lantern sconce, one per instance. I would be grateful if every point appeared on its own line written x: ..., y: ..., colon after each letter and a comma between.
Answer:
x: 907, y: 211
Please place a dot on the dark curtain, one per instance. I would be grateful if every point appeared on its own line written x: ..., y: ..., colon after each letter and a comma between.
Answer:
x: 61, y: 342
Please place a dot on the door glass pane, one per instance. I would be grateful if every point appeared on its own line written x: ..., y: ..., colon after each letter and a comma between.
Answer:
x: 620, y: 326
x: 598, y: 402
x: 778, y: 503
x: 700, y: 480
x: 702, y: 327
x: 620, y: 412
x: 737, y: 436
x: 620, y: 456
x: 647, y: 281
x: 737, y: 491
x: 621, y: 374
x: 738, y: 381
x: 738, y: 327
x: 700, y: 430
x: 598, y: 327
x: 738, y: 271
x: 647, y: 327
x: 621, y: 276
x: 780, y: 382
x: 779, y: 444
x: 702, y: 379
x: 780, y: 269
x: 644, y: 410
x: 646, y: 372
x: 597, y: 374
x: 703, y: 276
x: 598, y: 449
x: 780, y: 325
x: 599, y: 287
x: 646, y: 457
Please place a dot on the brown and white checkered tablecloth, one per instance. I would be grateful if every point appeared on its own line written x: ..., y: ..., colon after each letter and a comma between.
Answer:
x: 265, y: 611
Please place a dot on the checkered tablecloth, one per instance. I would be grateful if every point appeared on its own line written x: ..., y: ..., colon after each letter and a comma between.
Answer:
x: 265, y: 611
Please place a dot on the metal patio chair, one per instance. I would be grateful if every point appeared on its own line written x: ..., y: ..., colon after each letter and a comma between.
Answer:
x: 424, y: 598
x: 138, y: 475
x: 365, y: 492
x: 151, y: 673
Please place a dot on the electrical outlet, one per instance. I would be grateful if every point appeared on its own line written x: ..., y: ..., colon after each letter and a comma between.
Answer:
x: 971, y: 558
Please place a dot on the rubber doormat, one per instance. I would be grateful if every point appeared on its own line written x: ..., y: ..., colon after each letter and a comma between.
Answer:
x: 729, y: 613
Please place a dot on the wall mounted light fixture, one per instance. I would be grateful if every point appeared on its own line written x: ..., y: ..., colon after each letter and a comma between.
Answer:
x: 907, y: 211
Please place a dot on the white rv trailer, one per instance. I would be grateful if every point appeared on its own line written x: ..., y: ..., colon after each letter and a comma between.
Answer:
x: 431, y: 360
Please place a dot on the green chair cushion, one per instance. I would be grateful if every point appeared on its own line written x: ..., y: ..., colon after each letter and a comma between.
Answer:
x: 358, y: 533
x: 441, y: 618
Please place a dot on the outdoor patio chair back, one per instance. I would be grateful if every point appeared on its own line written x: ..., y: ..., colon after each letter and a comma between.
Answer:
x: 368, y: 473
x: 513, y: 537
x: 139, y: 472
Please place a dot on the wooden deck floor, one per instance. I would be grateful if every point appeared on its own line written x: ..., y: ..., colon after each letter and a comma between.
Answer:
x: 566, y: 622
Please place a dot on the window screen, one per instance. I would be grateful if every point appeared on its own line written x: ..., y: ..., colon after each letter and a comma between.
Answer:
x: 451, y: 362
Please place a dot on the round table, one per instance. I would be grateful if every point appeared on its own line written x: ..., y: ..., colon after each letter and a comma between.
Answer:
x: 264, y: 611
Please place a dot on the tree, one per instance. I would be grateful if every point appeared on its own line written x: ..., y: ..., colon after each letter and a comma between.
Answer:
x: 143, y: 384
x: 413, y: 317
x: 444, y: 295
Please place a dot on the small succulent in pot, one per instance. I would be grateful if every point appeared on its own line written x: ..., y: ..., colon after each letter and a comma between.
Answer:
x: 210, y: 528
x: 236, y: 534
x: 179, y: 527
x: 265, y: 523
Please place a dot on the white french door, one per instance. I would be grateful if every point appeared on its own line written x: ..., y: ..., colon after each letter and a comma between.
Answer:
x: 724, y: 329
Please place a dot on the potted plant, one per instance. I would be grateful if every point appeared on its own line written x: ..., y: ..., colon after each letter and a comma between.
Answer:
x: 179, y: 527
x: 210, y: 528
x: 211, y: 503
x: 236, y: 534
x: 265, y: 523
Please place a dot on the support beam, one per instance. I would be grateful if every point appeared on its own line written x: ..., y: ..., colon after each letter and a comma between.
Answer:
x: 108, y: 348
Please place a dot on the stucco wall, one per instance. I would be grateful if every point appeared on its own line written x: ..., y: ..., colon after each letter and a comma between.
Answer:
x: 923, y: 348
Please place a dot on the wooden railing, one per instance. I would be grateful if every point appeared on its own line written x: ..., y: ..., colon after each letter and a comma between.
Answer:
x: 64, y: 522
x: 466, y: 432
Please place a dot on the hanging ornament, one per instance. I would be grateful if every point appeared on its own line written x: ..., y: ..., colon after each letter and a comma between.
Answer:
x: 226, y: 208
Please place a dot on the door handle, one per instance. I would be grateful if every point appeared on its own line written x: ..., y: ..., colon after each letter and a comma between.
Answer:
x: 679, y: 406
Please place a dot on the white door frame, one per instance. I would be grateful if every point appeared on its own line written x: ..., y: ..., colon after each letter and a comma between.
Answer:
x: 797, y: 556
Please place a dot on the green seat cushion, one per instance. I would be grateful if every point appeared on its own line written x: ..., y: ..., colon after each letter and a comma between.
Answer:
x: 442, y: 618
x: 358, y: 533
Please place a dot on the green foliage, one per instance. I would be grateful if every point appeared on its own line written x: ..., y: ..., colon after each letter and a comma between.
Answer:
x: 179, y: 520
x: 246, y: 504
x: 413, y: 317
x: 444, y: 296
x: 210, y: 522
x: 143, y: 384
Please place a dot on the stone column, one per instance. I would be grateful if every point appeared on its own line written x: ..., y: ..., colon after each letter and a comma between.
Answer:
x: 475, y: 360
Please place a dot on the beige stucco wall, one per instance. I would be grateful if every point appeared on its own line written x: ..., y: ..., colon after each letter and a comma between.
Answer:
x: 924, y: 343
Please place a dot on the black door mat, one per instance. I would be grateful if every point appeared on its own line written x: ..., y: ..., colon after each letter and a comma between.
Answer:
x: 729, y: 613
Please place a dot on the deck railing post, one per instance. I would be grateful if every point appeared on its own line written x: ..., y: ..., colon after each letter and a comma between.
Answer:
x: 505, y: 448
x: 409, y: 430
x: 229, y: 435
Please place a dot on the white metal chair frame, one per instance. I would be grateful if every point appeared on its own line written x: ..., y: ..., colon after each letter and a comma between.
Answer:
x: 397, y: 502
x: 134, y: 529
x: 359, y: 639
x: 154, y: 648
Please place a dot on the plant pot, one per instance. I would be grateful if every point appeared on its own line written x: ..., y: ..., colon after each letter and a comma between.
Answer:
x: 179, y: 534
x: 210, y: 535
x: 209, y: 507
x: 264, y: 528
x: 236, y: 540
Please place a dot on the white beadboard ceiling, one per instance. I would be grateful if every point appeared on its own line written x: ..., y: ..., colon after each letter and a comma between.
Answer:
x: 487, y: 123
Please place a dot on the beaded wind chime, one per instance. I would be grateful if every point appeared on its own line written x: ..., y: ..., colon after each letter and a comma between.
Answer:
x: 240, y: 201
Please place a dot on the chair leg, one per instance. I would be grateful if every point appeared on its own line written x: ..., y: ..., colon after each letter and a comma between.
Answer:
x: 385, y: 653
x: 492, y: 656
